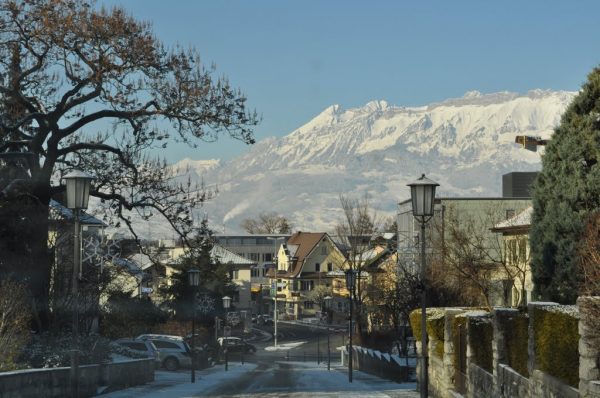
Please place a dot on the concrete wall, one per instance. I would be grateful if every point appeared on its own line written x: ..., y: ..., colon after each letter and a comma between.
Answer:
x: 54, y: 382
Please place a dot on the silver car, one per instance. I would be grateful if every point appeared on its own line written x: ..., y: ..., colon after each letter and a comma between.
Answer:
x: 173, y: 351
x: 145, y: 348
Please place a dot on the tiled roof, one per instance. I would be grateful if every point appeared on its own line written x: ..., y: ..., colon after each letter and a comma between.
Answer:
x: 306, y: 242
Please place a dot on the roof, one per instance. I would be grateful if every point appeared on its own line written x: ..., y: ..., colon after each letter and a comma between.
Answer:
x: 228, y: 257
x: 67, y: 213
x: 521, y: 221
x: 306, y: 242
x: 472, y: 198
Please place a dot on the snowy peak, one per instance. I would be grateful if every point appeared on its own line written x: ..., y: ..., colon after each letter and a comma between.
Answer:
x: 473, y: 128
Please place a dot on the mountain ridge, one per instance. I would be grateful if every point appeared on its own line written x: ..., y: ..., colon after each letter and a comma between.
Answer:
x: 465, y: 144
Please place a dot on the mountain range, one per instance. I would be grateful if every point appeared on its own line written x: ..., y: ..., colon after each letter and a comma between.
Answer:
x: 465, y: 144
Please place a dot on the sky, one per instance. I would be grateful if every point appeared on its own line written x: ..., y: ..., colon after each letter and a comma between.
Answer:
x: 293, y: 59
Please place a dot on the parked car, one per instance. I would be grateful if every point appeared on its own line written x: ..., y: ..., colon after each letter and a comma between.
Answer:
x: 142, y: 347
x: 235, y: 344
x: 173, y: 351
x: 265, y: 319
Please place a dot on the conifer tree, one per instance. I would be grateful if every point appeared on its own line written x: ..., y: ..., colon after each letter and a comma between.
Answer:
x: 565, y: 193
x: 215, y: 281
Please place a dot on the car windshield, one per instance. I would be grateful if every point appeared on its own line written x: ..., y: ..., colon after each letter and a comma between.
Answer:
x: 299, y: 198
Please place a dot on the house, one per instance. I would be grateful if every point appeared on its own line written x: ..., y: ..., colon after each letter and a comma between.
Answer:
x: 306, y: 268
x: 260, y: 249
x: 473, y: 216
x: 515, y: 234
x: 240, y: 270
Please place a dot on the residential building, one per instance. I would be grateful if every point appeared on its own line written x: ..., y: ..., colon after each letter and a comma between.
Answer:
x: 260, y: 249
x: 474, y: 216
x: 515, y: 234
x: 307, y: 266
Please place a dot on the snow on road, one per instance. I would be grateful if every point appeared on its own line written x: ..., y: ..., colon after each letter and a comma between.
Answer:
x: 279, y: 379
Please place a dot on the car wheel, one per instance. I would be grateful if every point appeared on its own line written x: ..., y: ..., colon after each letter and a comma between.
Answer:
x: 171, y: 364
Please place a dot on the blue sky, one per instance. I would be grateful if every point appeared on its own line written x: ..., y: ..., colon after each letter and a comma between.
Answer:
x: 294, y: 58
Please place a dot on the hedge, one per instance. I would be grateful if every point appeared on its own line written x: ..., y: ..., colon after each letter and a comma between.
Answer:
x: 556, y: 344
x: 435, y: 327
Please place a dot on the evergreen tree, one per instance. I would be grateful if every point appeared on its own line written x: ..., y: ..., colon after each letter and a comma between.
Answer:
x: 565, y: 193
x: 215, y: 281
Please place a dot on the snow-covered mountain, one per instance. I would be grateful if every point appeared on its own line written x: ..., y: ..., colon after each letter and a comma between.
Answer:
x: 465, y: 144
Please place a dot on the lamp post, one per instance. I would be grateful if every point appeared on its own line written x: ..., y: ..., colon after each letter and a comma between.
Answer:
x: 276, y: 262
x: 422, y: 193
x: 226, y: 304
x: 350, y: 283
x: 78, y: 192
x: 327, y: 300
x: 194, y: 281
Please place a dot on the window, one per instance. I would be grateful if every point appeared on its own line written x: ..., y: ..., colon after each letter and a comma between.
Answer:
x: 165, y: 344
x: 135, y: 346
x: 235, y: 274
x: 317, y: 267
x: 329, y: 267
x: 255, y: 272
x: 324, y: 250
x: 268, y: 257
x: 254, y: 256
x: 307, y: 285
x: 308, y: 305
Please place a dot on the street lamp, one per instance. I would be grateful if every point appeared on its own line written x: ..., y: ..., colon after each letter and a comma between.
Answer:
x: 422, y: 193
x: 350, y: 283
x: 276, y: 262
x: 194, y: 281
x: 327, y: 300
x: 78, y: 192
x: 226, y: 305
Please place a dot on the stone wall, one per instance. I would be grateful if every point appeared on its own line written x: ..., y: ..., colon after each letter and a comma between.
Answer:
x: 589, y: 346
x: 54, y: 382
x: 544, y: 344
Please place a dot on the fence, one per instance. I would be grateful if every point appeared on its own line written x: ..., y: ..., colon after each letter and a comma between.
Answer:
x: 383, y: 365
x: 55, y: 382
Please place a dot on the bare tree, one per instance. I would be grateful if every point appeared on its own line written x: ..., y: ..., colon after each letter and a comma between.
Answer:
x: 95, y: 90
x: 466, y: 253
x: 354, y: 231
x: 267, y: 223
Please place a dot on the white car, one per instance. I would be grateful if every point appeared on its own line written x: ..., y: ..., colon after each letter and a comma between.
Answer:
x: 173, y: 351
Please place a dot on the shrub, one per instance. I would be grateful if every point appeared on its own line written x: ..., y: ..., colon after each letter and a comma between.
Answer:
x: 556, y: 343
x: 48, y: 350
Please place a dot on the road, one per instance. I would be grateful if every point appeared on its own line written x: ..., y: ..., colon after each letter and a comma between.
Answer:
x: 271, y: 374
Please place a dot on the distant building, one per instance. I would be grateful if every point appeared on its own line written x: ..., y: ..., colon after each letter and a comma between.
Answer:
x: 518, y: 184
x: 260, y: 249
